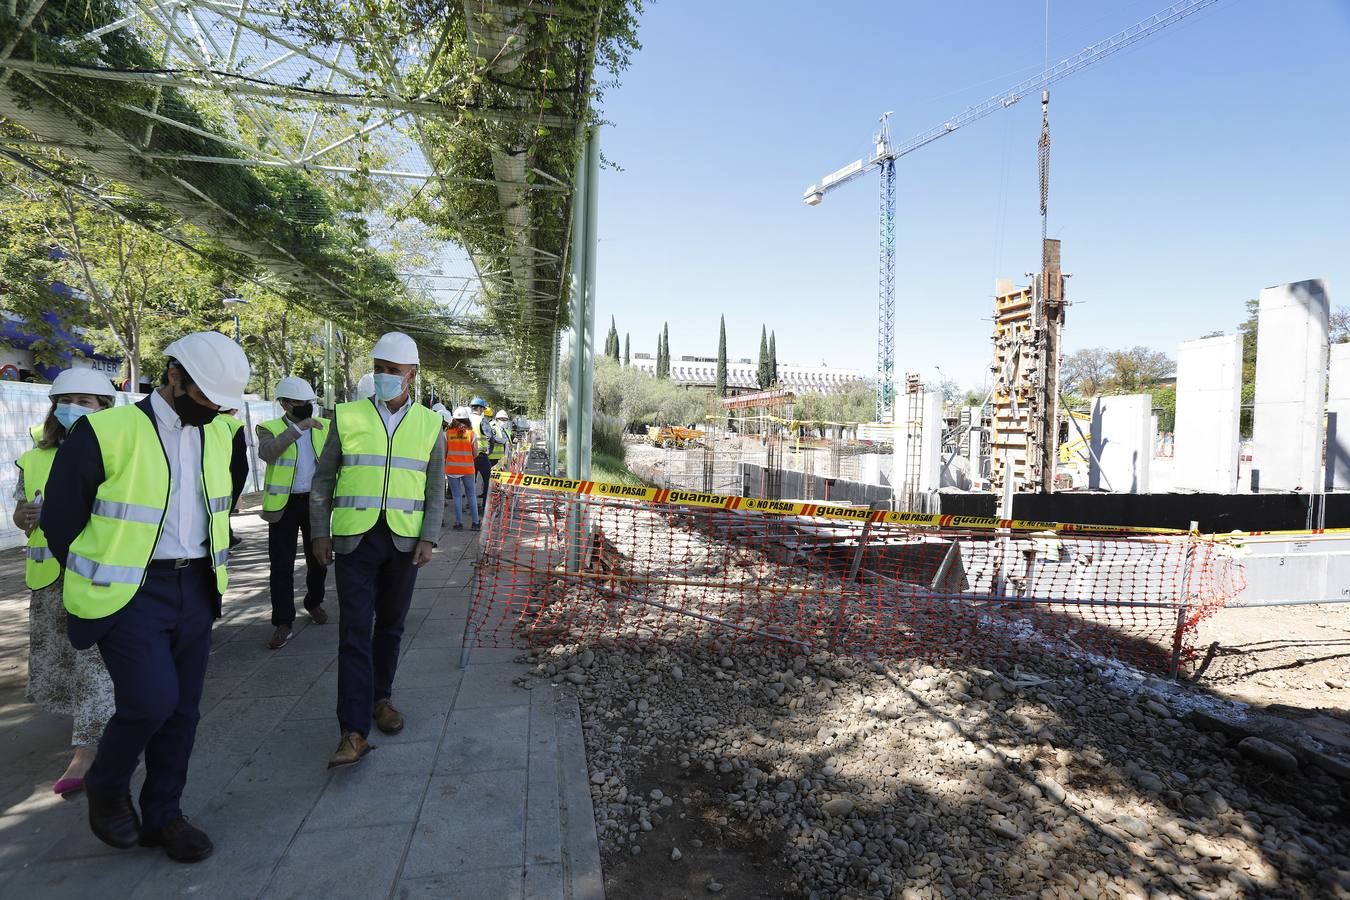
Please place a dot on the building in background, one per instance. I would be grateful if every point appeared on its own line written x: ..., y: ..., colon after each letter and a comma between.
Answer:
x: 18, y: 359
x: 742, y: 374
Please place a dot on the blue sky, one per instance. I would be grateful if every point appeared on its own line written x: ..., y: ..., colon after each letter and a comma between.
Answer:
x: 1187, y: 173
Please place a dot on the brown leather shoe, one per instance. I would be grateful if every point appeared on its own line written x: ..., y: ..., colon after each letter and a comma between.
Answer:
x: 351, y: 750
x: 387, y: 719
x: 279, y: 638
x: 317, y: 614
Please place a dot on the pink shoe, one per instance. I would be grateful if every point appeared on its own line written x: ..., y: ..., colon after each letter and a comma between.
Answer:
x: 68, y: 786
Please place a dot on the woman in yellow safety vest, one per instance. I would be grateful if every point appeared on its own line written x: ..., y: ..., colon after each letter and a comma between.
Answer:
x: 61, y: 679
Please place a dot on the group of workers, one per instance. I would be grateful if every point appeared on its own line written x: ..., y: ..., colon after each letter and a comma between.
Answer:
x: 127, y: 511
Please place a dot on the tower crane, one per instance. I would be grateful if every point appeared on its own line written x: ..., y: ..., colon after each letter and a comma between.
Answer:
x: 884, y: 154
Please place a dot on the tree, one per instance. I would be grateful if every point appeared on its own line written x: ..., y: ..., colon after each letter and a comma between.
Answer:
x: 1097, y: 370
x: 722, y: 357
x: 627, y: 358
x: 612, y: 341
x: 763, y: 375
x: 663, y: 352
x: 773, y: 359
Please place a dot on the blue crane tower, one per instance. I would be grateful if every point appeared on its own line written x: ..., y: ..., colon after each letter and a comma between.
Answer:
x: 884, y: 154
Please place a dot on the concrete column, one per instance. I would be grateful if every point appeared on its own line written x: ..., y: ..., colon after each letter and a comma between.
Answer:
x: 975, y: 446
x: 1122, y: 443
x: 1291, y: 373
x: 1338, y: 419
x: 1209, y: 410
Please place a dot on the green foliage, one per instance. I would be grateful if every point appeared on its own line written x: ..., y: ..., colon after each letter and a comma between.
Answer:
x: 627, y: 357
x: 630, y: 395
x: 722, y: 357
x: 764, y: 375
x: 612, y: 341
x: 852, y: 403
x: 1097, y: 370
x: 1165, y: 407
x: 663, y: 352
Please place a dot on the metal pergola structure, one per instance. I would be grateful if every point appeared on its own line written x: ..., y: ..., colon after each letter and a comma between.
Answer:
x: 203, y: 95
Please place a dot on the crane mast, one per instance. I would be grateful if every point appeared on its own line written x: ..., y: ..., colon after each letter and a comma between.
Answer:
x: 885, y: 154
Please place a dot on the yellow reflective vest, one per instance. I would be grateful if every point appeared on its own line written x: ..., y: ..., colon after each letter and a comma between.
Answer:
x: 383, y: 473
x: 281, y: 474
x: 42, y: 568
x: 108, y: 559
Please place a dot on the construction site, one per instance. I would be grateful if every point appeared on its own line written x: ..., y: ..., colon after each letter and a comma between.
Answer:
x: 1021, y: 643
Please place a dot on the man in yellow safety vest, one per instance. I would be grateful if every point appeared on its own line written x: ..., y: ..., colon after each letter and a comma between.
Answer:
x: 376, y: 505
x: 137, y: 512
x: 290, y: 446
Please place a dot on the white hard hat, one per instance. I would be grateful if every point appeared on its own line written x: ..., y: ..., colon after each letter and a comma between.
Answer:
x: 365, y: 388
x: 501, y: 414
x: 461, y: 412
x: 294, y: 388
x: 216, y: 363
x: 82, y: 381
x: 440, y: 408
x: 395, y: 347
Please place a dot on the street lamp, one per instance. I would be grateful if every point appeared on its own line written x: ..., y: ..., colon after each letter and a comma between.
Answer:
x: 231, y: 301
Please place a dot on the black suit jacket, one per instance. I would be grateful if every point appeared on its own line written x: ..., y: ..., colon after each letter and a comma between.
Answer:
x: 68, y: 501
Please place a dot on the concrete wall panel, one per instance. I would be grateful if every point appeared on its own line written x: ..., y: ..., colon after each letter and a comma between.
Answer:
x: 1291, y: 371
x: 1122, y: 443
x: 1209, y: 406
x: 1338, y: 419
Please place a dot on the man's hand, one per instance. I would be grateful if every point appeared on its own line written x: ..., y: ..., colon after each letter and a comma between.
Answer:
x: 322, y: 547
x: 26, y: 515
x: 422, y: 555
x: 307, y: 424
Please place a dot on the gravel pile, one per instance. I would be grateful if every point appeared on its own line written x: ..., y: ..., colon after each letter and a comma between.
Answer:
x: 907, y: 779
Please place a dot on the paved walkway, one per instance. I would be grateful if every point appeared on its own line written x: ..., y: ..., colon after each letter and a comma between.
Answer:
x: 484, y: 794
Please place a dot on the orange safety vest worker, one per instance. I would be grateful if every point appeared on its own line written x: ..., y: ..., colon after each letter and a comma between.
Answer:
x: 459, y: 451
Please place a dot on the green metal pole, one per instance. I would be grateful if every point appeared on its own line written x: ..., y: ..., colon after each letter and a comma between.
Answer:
x: 554, y: 410
x: 583, y: 333
x: 592, y: 240
x: 329, y: 364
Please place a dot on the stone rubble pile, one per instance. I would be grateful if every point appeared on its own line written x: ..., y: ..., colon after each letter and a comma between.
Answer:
x: 911, y: 779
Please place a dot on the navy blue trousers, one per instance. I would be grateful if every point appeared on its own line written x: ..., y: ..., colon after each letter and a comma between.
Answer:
x: 156, y: 652
x: 281, y: 560
x: 374, y: 587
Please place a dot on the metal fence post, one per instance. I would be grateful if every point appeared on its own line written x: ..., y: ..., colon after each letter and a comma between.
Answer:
x: 1184, y: 610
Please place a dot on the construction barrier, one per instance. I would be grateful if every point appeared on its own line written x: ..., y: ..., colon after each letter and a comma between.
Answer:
x: 583, y: 562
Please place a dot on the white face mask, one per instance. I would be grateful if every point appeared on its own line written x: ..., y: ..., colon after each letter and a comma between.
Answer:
x: 70, y: 413
x: 387, y: 387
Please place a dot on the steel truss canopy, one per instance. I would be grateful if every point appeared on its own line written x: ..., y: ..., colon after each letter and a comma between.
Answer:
x: 271, y: 124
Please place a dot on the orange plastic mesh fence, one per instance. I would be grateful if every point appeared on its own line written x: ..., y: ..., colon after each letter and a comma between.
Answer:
x: 565, y: 567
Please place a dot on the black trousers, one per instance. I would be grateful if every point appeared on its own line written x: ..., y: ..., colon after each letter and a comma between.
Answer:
x: 281, y: 557
x: 156, y: 653
x: 484, y: 466
x: 374, y: 584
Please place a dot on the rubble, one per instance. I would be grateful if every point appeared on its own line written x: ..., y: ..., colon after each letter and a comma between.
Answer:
x: 880, y: 778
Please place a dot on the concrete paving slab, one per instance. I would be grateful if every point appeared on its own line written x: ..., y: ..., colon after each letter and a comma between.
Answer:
x: 469, y: 821
x: 284, y: 674
x: 295, y: 754
x: 483, y: 739
x: 490, y: 686
x: 385, y: 789
x: 352, y: 862
x: 427, y: 669
x: 424, y: 713
x: 79, y: 879
x: 251, y: 830
x: 505, y: 883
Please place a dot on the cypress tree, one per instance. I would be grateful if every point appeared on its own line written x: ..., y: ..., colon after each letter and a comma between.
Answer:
x: 762, y: 369
x: 612, y: 341
x: 665, y: 349
x: 722, y: 358
x: 626, y: 357
x: 773, y: 359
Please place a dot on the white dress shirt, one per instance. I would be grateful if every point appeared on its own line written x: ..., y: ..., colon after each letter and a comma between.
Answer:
x: 304, y: 460
x: 186, y: 522
x: 391, y: 418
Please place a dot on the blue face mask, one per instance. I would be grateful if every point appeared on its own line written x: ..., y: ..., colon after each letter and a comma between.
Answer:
x: 387, y: 387
x: 69, y: 413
